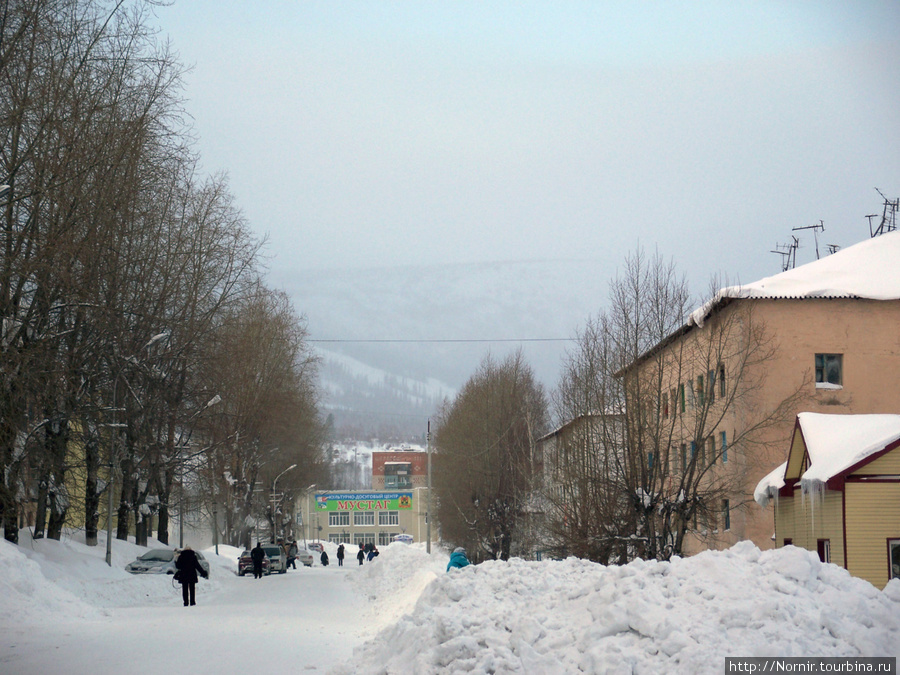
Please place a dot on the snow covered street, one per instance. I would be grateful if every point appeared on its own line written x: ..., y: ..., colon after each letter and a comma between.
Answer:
x: 65, y: 611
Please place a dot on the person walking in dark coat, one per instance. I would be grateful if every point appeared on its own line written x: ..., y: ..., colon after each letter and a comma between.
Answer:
x: 324, y: 559
x: 257, y: 555
x: 188, y: 567
x: 340, y: 555
x: 292, y: 555
x: 361, y: 555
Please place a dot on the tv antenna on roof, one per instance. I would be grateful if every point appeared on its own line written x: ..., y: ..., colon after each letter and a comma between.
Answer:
x: 815, y: 228
x: 888, y: 216
x: 788, y: 253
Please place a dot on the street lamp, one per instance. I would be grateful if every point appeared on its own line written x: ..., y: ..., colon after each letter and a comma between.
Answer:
x: 428, y: 507
x: 274, y: 483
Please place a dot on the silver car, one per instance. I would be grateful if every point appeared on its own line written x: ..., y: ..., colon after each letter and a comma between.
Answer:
x: 160, y: 561
x: 277, y: 558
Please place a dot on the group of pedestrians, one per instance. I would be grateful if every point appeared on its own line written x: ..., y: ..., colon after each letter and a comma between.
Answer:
x: 188, y: 565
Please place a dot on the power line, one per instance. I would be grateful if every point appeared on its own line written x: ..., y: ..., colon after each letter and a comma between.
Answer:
x: 447, y: 340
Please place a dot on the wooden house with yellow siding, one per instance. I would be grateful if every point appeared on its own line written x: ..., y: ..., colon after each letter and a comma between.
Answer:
x: 838, y: 493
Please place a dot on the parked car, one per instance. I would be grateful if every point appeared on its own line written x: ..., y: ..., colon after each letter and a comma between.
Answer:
x: 315, y: 546
x: 277, y: 558
x: 160, y: 561
x: 245, y: 564
x: 305, y: 557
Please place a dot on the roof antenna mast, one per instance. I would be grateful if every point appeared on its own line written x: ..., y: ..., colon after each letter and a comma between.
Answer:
x: 888, y: 216
x: 788, y: 253
x: 815, y: 228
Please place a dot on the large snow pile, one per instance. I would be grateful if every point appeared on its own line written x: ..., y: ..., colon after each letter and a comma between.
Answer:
x: 576, y: 616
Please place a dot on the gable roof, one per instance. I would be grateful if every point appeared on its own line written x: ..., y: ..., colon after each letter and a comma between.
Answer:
x: 836, y: 445
x: 868, y: 270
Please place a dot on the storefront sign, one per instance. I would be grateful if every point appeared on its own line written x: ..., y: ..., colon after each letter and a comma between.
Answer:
x: 369, y: 501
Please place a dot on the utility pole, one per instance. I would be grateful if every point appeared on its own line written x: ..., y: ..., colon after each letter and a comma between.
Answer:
x: 428, y: 506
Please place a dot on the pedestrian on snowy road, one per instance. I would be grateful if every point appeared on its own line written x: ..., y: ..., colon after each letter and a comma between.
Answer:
x: 292, y: 555
x: 257, y: 555
x: 361, y: 555
x: 340, y: 555
x: 324, y: 559
x: 188, y: 567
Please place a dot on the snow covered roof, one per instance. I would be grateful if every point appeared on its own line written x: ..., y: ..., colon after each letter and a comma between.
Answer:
x: 769, y: 486
x: 868, y: 269
x: 834, y: 443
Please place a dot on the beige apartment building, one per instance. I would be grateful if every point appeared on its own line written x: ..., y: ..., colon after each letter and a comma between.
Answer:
x: 821, y: 338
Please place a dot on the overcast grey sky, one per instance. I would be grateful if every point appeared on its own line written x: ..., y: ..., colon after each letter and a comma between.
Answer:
x: 396, y: 133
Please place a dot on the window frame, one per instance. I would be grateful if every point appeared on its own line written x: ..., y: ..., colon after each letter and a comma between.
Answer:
x: 359, y: 518
x: 893, y: 544
x: 335, y: 518
x: 824, y: 363
x: 386, y: 518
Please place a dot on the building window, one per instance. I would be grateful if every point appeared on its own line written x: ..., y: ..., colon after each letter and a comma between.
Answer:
x: 823, y: 548
x: 388, y: 517
x: 339, y: 537
x: 711, y: 450
x: 723, y: 438
x: 681, y: 396
x: 701, y: 393
x: 397, y: 475
x: 384, y: 538
x: 829, y: 370
x: 894, y: 557
x: 726, y: 514
x: 363, y: 517
x: 339, y: 519
x: 788, y: 541
x: 721, y: 380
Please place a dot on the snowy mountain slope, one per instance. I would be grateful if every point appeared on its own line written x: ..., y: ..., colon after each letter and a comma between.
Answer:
x: 421, y: 332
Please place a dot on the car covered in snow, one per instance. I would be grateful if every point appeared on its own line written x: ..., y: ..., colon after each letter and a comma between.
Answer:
x: 305, y: 557
x: 160, y: 561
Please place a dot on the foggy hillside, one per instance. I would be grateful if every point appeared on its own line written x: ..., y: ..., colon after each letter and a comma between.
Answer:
x: 440, y: 322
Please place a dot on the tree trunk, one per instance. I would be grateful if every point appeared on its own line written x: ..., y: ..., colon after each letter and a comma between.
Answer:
x: 91, y: 492
x: 10, y: 522
x: 40, y: 518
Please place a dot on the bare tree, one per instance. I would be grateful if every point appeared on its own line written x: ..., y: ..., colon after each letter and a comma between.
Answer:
x: 669, y: 413
x: 484, y: 475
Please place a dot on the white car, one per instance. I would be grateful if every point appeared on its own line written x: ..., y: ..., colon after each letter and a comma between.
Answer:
x: 305, y: 557
x: 160, y: 561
